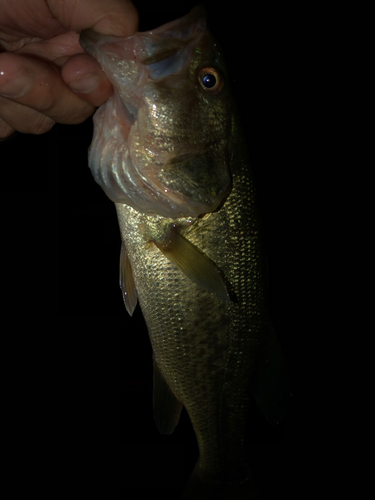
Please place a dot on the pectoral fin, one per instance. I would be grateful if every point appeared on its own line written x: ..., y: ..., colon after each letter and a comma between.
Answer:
x: 167, y: 408
x: 127, y: 285
x: 194, y: 264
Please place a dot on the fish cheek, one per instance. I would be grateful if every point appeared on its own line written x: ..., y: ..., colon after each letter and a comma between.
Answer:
x: 199, y: 177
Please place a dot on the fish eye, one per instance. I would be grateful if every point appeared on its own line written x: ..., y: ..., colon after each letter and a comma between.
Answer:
x: 211, y: 80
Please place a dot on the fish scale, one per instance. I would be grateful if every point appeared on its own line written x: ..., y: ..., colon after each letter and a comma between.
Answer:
x: 206, y: 350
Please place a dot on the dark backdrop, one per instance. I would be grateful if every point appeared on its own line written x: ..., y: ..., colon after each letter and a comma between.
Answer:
x: 61, y: 247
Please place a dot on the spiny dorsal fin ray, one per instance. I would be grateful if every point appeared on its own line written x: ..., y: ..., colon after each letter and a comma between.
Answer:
x: 127, y: 285
x: 167, y: 408
x: 194, y: 264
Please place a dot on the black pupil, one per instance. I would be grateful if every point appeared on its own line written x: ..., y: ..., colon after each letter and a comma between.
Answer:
x: 209, y: 81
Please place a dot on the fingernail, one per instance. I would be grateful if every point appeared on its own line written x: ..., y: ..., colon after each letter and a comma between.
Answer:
x: 86, y: 84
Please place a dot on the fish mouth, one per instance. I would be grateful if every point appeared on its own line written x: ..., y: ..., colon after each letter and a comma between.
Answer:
x: 186, y: 184
x: 153, y: 45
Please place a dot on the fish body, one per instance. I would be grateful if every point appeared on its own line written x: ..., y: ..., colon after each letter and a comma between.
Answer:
x: 168, y: 150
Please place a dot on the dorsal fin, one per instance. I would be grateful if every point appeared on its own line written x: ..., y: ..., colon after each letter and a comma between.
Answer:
x: 193, y: 263
x: 127, y: 285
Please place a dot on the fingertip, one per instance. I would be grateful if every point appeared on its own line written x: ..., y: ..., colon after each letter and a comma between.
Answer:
x: 6, y: 131
x: 85, y: 77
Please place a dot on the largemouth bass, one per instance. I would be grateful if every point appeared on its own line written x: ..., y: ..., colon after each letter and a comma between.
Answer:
x: 169, y: 152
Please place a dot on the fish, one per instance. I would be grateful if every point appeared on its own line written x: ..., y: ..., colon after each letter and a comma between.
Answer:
x: 169, y: 151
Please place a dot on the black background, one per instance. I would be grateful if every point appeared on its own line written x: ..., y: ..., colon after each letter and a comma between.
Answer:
x: 61, y: 247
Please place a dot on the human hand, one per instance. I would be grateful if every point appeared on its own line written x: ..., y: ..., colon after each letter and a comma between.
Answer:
x: 45, y: 77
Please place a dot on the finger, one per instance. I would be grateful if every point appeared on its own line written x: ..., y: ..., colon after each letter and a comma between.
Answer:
x: 5, y: 130
x: 110, y: 17
x: 38, y: 85
x: 86, y: 78
x: 15, y: 116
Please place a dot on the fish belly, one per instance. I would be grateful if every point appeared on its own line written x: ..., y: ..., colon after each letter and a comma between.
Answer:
x: 206, y: 349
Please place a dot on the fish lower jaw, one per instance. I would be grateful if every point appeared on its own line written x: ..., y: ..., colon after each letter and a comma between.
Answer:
x: 130, y: 178
x: 135, y: 169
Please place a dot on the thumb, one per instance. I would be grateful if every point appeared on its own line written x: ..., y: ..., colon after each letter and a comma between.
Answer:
x: 109, y: 17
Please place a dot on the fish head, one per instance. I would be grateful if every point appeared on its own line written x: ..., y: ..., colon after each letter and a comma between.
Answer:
x: 161, y: 143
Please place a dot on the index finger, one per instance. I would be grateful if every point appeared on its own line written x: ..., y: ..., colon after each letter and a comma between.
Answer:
x: 38, y: 85
x: 109, y: 17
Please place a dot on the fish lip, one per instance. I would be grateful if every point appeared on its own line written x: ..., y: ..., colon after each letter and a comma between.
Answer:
x: 90, y: 40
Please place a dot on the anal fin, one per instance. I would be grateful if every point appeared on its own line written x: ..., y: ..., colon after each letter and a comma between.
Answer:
x: 167, y: 408
x: 127, y: 285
